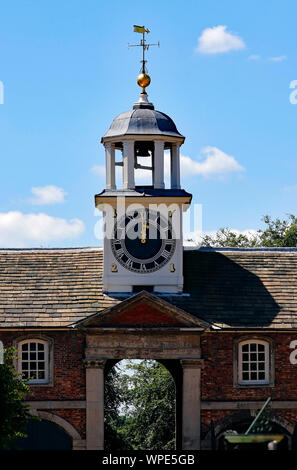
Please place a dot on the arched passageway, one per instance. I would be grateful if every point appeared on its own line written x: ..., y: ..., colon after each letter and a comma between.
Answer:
x: 158, y: 401
x: 44, y: 435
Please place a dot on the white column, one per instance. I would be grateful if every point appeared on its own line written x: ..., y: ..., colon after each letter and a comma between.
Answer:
x: 191, y: 403
x: 175, y: 166
x: 159, y: 165
x: 128, y: 165
x: 95, y: 404
x: 110, y: 165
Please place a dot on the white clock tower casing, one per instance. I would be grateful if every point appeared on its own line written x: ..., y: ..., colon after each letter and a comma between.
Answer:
x: 143, y: 243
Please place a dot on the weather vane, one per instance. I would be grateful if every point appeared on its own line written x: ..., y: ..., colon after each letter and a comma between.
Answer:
x: 143, y: 78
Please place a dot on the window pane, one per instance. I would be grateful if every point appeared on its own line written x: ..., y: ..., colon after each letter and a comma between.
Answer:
x: 34, y: 360
x: 253, y: 362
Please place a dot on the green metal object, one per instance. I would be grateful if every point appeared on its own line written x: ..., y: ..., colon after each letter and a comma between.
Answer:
x: 253, y: 438
x: 258, y: 431
x: 257, y: 418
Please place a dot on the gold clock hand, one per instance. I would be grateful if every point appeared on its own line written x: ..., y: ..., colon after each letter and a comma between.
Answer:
x: 143, y: 229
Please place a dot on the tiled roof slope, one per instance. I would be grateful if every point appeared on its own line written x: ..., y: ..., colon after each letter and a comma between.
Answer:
x: 242, y: 288
x: 50, y: 287
x: 237, y: 288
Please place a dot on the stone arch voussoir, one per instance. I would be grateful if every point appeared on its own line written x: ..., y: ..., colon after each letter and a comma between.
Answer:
x: 68, y: 428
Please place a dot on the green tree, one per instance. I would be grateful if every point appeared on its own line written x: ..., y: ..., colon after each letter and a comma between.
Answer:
x: 14, y: 414
x: 225, y: 237
x: 148, y: 402
x: 277, y: 233
x: 114, y: 422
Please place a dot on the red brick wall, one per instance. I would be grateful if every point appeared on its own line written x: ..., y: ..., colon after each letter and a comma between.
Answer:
x: 76, y: 417
x: 143, y: 315
x: 69, y: 372
x: 217, y: 376
x: 216, y: 381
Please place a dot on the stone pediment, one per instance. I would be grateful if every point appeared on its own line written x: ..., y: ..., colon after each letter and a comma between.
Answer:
x: 143, y: 310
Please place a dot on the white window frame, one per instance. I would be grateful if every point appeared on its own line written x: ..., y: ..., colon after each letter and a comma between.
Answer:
x: 46, y: 359
x: 266, y: 380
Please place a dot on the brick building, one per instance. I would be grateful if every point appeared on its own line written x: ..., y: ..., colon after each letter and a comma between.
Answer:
x: 223, y: 321
x: 234, y: 297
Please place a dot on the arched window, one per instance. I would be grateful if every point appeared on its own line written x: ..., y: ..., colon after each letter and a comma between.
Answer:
x: 254, y: 362
x: 33, y: 360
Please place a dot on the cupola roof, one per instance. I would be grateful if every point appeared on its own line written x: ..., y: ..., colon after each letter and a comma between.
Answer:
x: 143, y: 119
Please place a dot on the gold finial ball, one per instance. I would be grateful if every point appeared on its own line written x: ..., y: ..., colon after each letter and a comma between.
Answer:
x: 143, y: 80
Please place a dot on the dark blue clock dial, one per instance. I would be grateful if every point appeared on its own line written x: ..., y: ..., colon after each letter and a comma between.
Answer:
x: 143, y: 241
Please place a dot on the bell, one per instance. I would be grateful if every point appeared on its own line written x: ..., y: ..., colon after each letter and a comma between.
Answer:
x: 142, y: 149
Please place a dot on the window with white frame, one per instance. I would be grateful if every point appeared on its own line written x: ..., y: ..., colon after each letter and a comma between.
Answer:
x: 253, y: 362
x: 33, y: 361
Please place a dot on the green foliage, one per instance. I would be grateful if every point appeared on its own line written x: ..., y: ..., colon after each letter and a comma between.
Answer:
x: 114, y: 423
x: 14, y: 414
x: 227, y: 238
x: 277, y: 233
x: 146, y: 413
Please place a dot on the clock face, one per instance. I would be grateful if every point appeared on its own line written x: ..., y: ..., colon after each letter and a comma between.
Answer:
x: 143, y: 241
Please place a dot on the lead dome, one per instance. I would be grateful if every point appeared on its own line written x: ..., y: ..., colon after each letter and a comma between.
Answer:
x: 142, y: 119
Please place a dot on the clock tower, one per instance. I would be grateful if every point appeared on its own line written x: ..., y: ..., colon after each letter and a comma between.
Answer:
x: 143, y: 242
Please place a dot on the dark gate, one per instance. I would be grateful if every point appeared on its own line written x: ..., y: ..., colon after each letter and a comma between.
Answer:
x: 44, y: 435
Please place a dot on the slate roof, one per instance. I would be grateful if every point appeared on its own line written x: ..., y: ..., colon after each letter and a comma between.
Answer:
x: 50, y: 287
x: 142, y: 121
x: 235, y: 288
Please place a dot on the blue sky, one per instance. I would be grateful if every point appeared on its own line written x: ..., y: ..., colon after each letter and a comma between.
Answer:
x: 67, y: 72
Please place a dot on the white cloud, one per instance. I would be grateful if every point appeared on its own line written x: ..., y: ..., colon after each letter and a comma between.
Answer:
x: 18, y: 230
x: 254, y: 57
x: 280, y: 58
x: 98, y: 170
x: 215, y: 163
x: 217, y: 40
x: 45, y: 195
x: 291, y: 188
